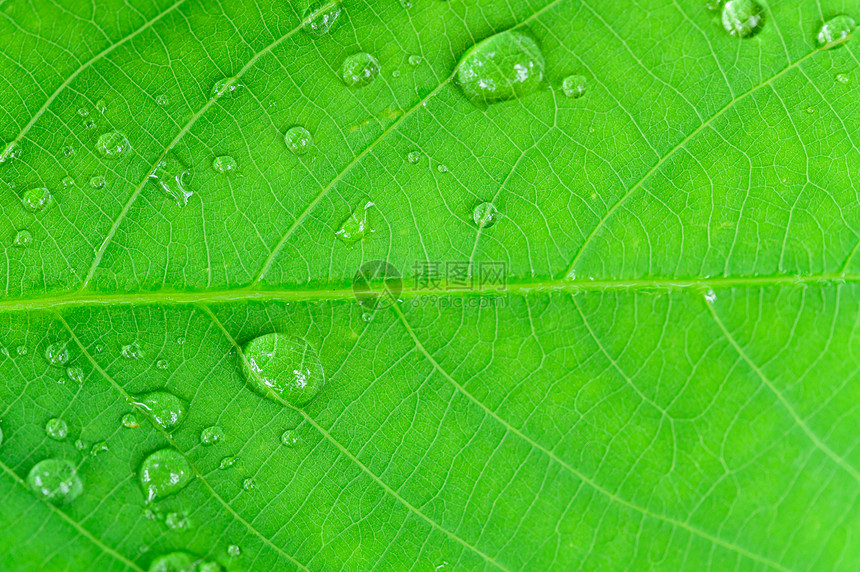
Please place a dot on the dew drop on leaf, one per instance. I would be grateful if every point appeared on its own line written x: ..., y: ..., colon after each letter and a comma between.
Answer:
x: 98, y: 447
x: 162, y: 100
x: 21, y: 350
x: 234, y: 550
x: 249, y: 484
x: 415, y: 60
x: 75, y: 373
x: 285, y: 367
x: 485, y: 215
x: 132, y: 351
x: 57, y: 353
x: 413, y: 156
x: 211, y: 435
x: 97, y: 181
x: 67, y: 151
x: 227, y: 462
x: 743, y: 18
x: 67, y: 182
x: 55, y: 480
x: 355, y: 227
x: 163, y: 473
x: 360, y: 69
x: 836, y: 31
x: 23, y: 239
x: 500, y: 68
x: 80, y: 444
x: 169, y: 175
x: 12, y: 150
x: 162, y: 364
x: 177, y: 520
x: 442, y: 168
x: 101, y: 106
x: 574, y: 86
x: 298, y: 140
x: 56, y: 429
x: 112, y: 145
x: 843, y: 78
x: 225, y: 86
x: 164, y: 408
x: 224, y: 164
x: 320, y: 17
x: 129, y: 420
x: 290, y: 438
x: 37, y: 199
x: 182, y: 562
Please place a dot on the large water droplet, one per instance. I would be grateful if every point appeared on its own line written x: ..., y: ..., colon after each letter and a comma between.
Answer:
x: 12, y: 150
x: 164, y: 408
x: 286, y: 367
x: 225, y: 86
x: 56, y: 429
x: 57, y: 353
x: 485, y: 215
x: 37, y: 199
x: 743, y: 18
x: 500, y: 68
x: 23, y: 239
x: 55, y: 480
x: 224, y: 164
x: 574, y: 86
x: 112, y: 145
x: 355, y: 227
x: 169, y: 175
x: 360, y: 69
x: 164, y: 473
x: 320, y: 17
x: 298, y: 139
x: 182, y: 562
x: 211, y: 435
x: 836, y: 31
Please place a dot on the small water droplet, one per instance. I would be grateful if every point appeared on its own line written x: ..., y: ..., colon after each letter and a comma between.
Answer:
x: 249, y: 484
x: 500, y: 68
x: 442, y: 168
x: 177, y: 520
x: 320, y: 17
x: 413, y: 156
x: 132, y: 351
x: 83, y: 111
x: 211, y: 435
x: 57, y: 353
x: 37, y: 199
x: 395, y: 74
x: 164, y: 408
x: 836, y: 31
x: 843, y: 78
x: 23, y: 239
x: 162, y: 364
x: 12, y: 150
x: 574, y: 86
x: 163, y: 473
x: 67, y: 151
x: 485, y: 215
x: 169, y: 175
x: 112, y: 145
x: 298, y: 139
x: 359, y: 70
x: 182, y: 562
x: 415, y: 60
x: 227, y: 462
x: 180, y: 341
x: 75, y: 373
x: 67, y: 182
x: 290, y: 438
x: 101, y: 106
x: 743, y: 18
x: 355, y: 227
x: 90, y: 124
x: 225, y: 86
x: 284, y: 367
x: 97, y: 181
x: 21, y: 350
x: 234, y: 550
x: 80, y: 444
x: 55, y: 480
x: 130, y: 420
x: 224, y: 164
x: 810, y: 110
x: 162, y: 100
x: 99, y: 447
x: 56, y: 429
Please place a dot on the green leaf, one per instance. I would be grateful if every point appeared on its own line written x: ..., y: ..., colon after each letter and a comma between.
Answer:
x: 655, y: 366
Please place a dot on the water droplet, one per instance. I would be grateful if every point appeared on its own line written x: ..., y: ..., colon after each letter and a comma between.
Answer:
x: 132, y: 351
x: 180, y: 341
x: 177, y: 520
x: 415, y: 60
x: 743, y: 18
x: 83, y: 111
x: 67, y: 151
x: 225, y: 86
x: 56, y: 429
x: 97, y: 181
x: 130, y: 420
x: 227, y: 462
x: 169, y: 175
x: 99, y: 447
x: 164, y: 408
x: 413, y: 156
x: 21, y: 350
x: 37, y: 199
x: 836, y: 31
x: 1, y: 439
x: 23, y: 239
x: 360, y: 70
x: 162, y: 364
x: 67, y: 182
x: 55, y: 480
x: 395, y: 74
x: 810, y: 110
x: 90, y: 124
x: 75, y: 373
x: 57, y: 353
x: 500, y: 68
x: 442, y: 168
x: 234, y: 550
x: 355, y: 227
x: 211, y: 435
x: 163, y: 473
x: 224, y: 164
x: 485, y: 215
x: 112, y: 145
x: 101, y: 106
x: 574, y: 86
x: 80, y: 444
x: 286, y: 367
x: 843, y: 78
x: 162, y: 100
x: 710, y: 296
x: 320, y: 17
x: 11, y: 151
x: 182, y: 562
x: 249, y: 484
x: 298, y: 139
x: 290, y: 438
